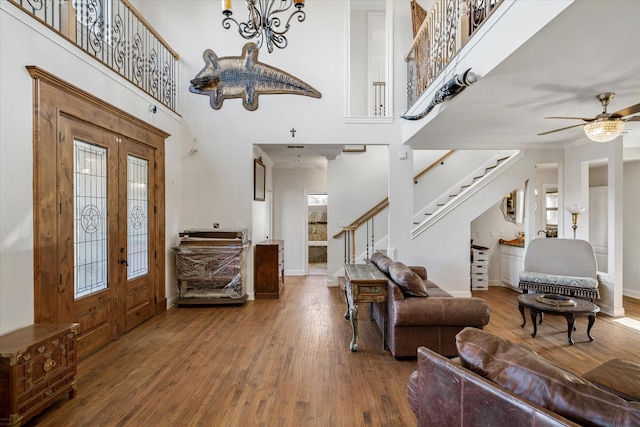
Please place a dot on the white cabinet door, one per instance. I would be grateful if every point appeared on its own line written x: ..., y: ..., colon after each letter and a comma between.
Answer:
x: 505, y: 265
x: 517, y: 268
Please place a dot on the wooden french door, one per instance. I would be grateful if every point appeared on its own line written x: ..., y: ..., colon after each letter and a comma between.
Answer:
x: 98, y: 213
x: 107, y: 198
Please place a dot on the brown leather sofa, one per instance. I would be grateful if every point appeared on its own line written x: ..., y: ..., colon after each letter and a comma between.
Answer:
x: 419, y: 313
x: 499, y: 383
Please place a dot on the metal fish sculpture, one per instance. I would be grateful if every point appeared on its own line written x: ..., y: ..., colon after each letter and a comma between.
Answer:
x: 244, y: 77
x: 450, y: 89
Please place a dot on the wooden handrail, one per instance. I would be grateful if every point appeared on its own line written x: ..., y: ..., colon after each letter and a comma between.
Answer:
x: 150, y: 28
x: 431, y: 166
x: 385, y: 203
x: 364, y: 218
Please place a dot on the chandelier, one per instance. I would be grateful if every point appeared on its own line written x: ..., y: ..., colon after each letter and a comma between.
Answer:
x: 604, y: 130
x: 263, y: 22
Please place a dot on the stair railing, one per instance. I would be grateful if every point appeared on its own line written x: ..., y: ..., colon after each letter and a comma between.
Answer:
x: 443, y: 33
x: 116, y: 34
x: 368, y: 219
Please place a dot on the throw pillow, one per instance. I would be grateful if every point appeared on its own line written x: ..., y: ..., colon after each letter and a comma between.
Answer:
x: 530, y: 376
x: 381, y: 261
x: 407, y: 280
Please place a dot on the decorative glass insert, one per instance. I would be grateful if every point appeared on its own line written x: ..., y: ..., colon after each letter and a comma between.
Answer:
x: 138, y: 217
x: 90, y: 218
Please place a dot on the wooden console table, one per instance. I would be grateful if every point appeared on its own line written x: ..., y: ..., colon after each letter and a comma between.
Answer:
x: 37, y: 367
x: 364, y: 283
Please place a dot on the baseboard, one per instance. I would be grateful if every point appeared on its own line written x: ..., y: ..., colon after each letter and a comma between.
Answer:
x: 631, y: 293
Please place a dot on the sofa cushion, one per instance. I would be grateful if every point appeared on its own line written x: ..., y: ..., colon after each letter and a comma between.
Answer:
x: 617, y: 376
x: 523, y: 372
x: 419, y: 270
x: 407, y: 280
x: 381, y: 261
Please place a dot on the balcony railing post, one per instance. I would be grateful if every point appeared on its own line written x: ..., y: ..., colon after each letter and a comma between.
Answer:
x: 68, y: 20
x: 367, y: 240
x: 351, y: 243
x: 372, y: 237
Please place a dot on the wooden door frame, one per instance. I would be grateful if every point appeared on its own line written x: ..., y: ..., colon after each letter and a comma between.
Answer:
x: 51, y: 98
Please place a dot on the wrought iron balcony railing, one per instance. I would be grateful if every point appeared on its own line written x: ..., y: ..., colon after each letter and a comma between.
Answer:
x: 115, y: 34
x: 441, y: 36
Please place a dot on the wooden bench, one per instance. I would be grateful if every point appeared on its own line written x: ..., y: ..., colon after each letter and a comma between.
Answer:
x: 562, y: 267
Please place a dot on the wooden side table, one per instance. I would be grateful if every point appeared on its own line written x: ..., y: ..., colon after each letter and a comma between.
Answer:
x: 364, y: 283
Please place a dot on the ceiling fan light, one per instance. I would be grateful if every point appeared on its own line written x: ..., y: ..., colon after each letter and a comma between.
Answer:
x: 604, y: 130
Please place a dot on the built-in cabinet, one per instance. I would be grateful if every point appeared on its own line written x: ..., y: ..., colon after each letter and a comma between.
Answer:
x: 269, y: 269
x: 512, y: 264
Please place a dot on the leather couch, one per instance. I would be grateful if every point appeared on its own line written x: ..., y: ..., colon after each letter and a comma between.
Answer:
x: 498, y: 383
x: 419, y: 313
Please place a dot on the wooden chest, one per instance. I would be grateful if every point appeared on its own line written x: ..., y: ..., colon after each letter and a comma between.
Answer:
x: 37, y: 367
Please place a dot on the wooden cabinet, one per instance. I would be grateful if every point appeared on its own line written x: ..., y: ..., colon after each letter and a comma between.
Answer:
x: 37, y: 367
x: 269, y: 269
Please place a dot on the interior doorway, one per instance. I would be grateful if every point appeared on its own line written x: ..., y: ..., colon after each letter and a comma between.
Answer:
x: 317, y: 233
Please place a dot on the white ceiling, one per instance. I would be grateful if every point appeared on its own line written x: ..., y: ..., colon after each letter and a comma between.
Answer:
x: 590, y: 48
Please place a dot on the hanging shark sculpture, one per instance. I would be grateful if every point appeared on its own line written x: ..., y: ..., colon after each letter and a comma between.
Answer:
x: 450, y: 89
x: 244, y: 77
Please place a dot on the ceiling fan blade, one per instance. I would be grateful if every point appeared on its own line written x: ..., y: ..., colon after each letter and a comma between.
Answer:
x: 573, y: 118
x: 558, y: 130
x: 633, y: 119
x: 627, y: 111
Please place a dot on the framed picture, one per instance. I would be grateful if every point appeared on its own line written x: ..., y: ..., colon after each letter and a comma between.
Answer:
x: 259, y: 172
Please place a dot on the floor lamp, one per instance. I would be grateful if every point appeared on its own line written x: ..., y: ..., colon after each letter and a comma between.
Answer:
x: 575, y: 210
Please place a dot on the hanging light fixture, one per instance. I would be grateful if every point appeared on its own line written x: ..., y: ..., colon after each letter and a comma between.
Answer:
x: 605, y: 126
x: 263, y: 22
x: 604, y: 130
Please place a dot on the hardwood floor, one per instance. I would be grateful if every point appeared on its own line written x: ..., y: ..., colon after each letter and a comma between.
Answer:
x: 286, y: 362
x: 613, y: 337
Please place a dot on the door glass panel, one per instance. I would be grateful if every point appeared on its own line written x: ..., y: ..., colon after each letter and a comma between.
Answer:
x: 90, y: 218
x: 138, y: 217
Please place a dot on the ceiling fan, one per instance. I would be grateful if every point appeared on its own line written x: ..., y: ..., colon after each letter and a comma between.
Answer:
x: 605, y: 126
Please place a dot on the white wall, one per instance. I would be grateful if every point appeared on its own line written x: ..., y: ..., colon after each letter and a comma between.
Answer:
x: 486, y: 230
x: 575, y: 178
x: 356, y: 183
x: 358, y: 63
x: 460, y: 168
x: 24, y: 42
x: 631, y: 270
x: 290, y: 221
x: 216, y: 183
x: 223, y: 165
